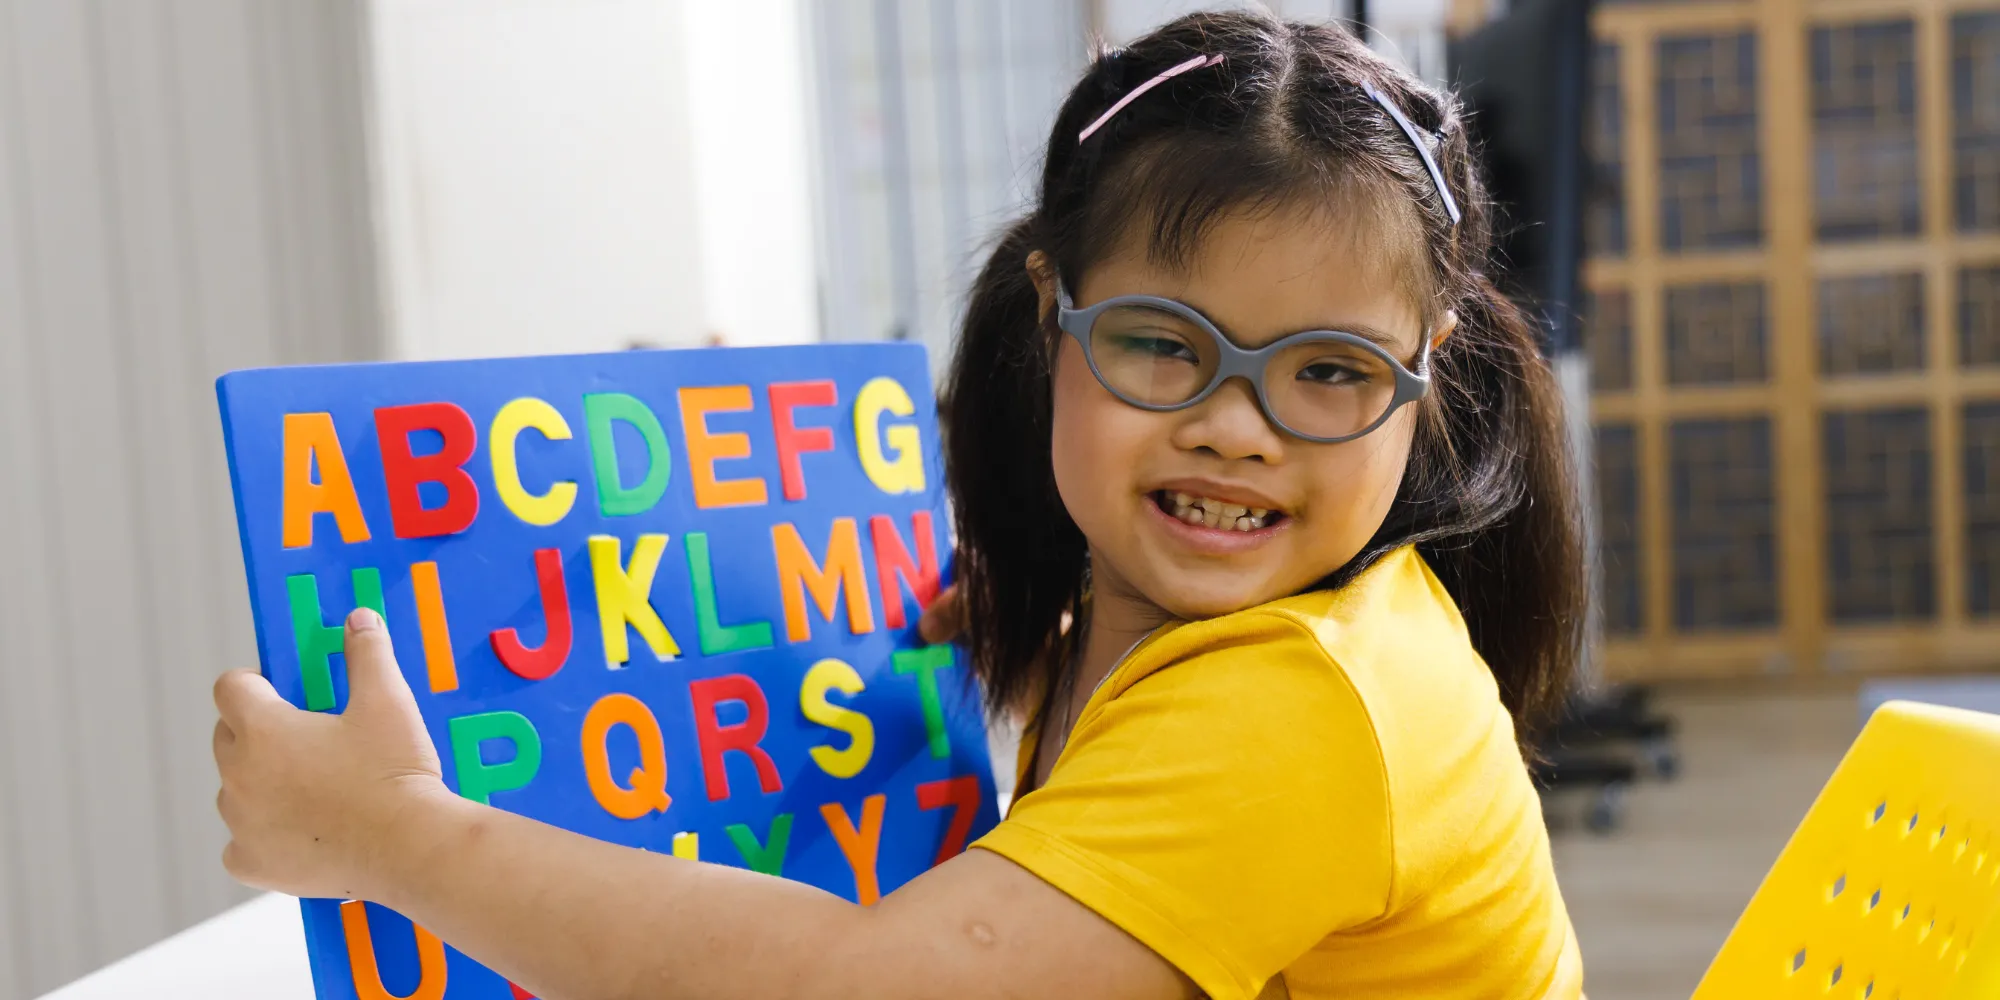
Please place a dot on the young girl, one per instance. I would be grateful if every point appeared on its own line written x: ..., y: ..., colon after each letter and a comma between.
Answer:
x: 1265, y: 524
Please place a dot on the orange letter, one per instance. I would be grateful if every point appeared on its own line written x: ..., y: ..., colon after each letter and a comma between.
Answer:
x: 361, y: 958
x: 310, y: 437
x: 648, y: 793
x: 705, y: 448
x: 438, y: 661
x: 798, y: 573
x: 859, y: 845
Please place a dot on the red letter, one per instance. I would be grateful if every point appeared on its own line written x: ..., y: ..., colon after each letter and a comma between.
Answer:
x: 519, y: 993
x: 891, y: 558
x: 794, y: 441
x: 402, y: 472
x: 542, y: 663
x: 716, y: 738
x: 961, y: 792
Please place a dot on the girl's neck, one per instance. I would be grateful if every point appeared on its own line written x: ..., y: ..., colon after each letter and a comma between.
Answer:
x: 1120, y: 616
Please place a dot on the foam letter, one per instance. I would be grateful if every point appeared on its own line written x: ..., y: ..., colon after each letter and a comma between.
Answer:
x: 767, y: 858
x: 438, y: 660
x: 310, y: 440
x: 716, y: 739
x: 687, y: 846
x: 316, y: 641
x: 648, y: 791
x: 962, y: 794
x: 624, y: 597
x: 705, y: 448
x: 541, y: 663
x: 613, y: 499
x: 528, y: 413
x: 799, y: 574
x: 715, y: 636
x: 906, y: 473
x: 925, y: 663
x: 361, y: 958
x: 794, y: 441
x: 478, y: 780
x: 827, y: 675
x: 859, y: 846
x: 402, y: 472
x: 891, y: 559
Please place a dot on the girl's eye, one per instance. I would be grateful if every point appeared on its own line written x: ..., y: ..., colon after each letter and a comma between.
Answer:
x: 1165, y: 347
x: 1333, y: 373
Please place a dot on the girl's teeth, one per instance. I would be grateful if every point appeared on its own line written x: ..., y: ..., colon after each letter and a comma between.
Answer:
x: 1214, y: 513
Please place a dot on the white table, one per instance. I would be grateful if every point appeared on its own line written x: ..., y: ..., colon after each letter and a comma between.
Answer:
x: 256, y: 951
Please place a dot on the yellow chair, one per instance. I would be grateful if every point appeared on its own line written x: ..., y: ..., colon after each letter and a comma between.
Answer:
x: 1890, y: 888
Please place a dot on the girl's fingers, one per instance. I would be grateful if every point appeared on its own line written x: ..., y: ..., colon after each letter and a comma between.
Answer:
x: 372, y: 674
x: 241, y: 693
x: 224, y: 740
x: 944, y: 620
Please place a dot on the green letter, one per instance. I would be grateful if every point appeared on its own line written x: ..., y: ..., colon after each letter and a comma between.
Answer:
x: 764, y: 858
x: 925, y: 663
x: 478, y: 781
x: 599, y: 410
x: 317, y: 641
x: 715, y: 636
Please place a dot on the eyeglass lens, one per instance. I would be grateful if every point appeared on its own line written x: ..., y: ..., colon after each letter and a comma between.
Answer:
x: 1319, y: 388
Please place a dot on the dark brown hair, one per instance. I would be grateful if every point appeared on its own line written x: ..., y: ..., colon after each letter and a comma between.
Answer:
x: 1282, y: 122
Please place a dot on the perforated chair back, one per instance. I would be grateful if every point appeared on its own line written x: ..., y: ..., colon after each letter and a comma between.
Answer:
x: 1890, y: 887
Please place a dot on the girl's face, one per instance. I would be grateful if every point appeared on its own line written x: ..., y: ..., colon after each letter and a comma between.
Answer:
x: 1133, y: 480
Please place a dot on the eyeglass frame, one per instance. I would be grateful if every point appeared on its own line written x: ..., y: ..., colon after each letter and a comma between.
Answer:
x: 1247, y: 364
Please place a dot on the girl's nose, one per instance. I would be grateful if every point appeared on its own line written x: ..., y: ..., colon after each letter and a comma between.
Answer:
x: 1231, y: 425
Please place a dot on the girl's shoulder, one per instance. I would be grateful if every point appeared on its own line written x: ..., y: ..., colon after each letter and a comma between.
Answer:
x: 1392, y: 640
x: 1395, y: 624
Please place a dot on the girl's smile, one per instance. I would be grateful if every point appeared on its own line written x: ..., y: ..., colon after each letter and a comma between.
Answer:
x: 1215, y: 518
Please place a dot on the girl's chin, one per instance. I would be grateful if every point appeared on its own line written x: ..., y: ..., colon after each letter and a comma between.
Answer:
x: 1187, y: 600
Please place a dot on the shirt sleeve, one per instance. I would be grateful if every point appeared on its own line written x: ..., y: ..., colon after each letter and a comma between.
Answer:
x: 1229, y: 810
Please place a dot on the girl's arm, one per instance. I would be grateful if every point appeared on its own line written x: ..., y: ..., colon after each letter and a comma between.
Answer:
x: 354, y: 806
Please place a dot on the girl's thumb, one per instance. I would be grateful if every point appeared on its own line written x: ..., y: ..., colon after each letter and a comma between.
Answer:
x: 372, y: 674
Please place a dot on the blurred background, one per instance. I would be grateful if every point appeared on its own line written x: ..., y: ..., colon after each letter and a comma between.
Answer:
x: 1764, y: 234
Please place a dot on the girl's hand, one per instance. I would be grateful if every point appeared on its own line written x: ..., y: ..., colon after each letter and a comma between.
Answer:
x: 944, y: 619
x: 313, y: 802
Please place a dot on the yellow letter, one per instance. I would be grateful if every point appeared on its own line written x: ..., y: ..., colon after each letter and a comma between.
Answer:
x: 622, y: 597
x: 826, y: 675
x: 517, y: 416
x: 906, y: 473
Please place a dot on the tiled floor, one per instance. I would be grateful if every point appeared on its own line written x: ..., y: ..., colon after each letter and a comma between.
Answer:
x: 1653, y: 901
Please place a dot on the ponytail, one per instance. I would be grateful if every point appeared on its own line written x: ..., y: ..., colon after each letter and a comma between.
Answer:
x: 1022, y: 563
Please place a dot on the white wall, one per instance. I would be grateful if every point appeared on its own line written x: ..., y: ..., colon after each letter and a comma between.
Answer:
x: 579, y: 175
x: 182, y: 191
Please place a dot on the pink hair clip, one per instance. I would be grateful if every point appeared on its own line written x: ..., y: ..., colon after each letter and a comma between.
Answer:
x: 1198, y: 62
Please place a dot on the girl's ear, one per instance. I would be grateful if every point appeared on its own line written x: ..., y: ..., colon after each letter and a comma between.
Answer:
x: 1042, y: 272
x: 1446, y: 324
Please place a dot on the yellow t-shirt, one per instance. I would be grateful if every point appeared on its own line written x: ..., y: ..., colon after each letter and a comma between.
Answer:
x: 1318, y: 797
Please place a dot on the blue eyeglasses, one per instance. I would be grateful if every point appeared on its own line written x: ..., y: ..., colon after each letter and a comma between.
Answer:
x: 1324, y: 386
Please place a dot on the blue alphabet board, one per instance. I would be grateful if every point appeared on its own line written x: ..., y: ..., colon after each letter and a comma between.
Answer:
x: 662, y: 598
